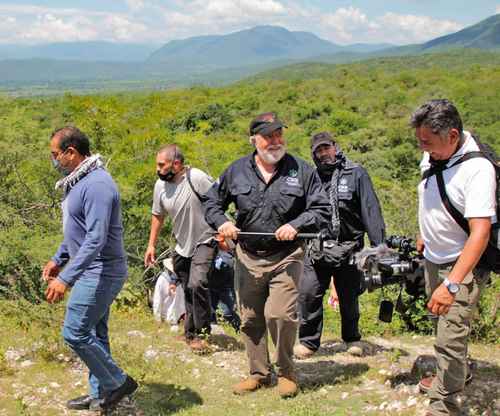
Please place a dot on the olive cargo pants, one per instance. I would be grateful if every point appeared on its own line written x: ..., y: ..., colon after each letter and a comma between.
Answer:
x: 268, y: 291
x: 452, y: 335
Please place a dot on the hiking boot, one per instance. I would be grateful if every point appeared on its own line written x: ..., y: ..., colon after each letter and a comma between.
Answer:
x: 355, y: 348
x: 287, y: 386
x: 301, y: 352
x: 199, y: 346
x: 113, y: 398
x: 251, y: 384
x: 425, y: 384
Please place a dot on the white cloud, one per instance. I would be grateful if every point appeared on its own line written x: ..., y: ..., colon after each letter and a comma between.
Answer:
x: 135, y: 5
x: 125, y: 30
x: 201, y: 17
x: 350, y: 25
x: 48, y: 27
x: 414, y: 29
x: 35, y: 24
x: 240, y: 8
x: 497, y: 10
x: 160, y: 21
x: 345, y: 23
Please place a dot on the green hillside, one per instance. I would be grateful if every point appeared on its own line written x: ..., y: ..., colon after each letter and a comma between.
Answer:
x: 483, y: 35
x: 366, y: 105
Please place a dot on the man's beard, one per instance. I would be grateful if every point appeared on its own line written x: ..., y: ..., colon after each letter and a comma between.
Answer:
x: 327, y: 160
x: 272, y: 155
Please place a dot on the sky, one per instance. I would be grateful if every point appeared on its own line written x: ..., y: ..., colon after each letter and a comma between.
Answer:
x: 159, y: 21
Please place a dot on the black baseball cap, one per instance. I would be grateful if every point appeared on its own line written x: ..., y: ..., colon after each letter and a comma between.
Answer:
x: 321, y: 138
x: 265, y: 123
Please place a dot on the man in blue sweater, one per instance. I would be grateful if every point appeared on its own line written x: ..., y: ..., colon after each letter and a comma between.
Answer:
x: 91, y: 260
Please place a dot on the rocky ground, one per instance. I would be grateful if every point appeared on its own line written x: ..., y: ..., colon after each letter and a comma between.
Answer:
x: 37, y: 378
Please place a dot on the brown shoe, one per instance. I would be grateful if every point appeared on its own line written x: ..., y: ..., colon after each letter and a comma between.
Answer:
x: 181, y: 338
x: 355, y: 348
x: 425, y: 384
x: 287, y: 386
x: 199, y: 346
x: 250, y: 384
x: 301, y: 352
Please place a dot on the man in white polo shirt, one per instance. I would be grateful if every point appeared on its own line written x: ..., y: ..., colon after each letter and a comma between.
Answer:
x: 453, y: 277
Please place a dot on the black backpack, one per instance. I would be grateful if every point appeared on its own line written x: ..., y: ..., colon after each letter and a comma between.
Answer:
x: 490, y: 259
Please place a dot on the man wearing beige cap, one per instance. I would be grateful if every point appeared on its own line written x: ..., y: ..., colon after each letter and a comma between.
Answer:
x: 275, y: 192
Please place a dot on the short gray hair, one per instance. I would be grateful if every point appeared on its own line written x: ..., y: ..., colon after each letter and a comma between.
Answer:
x: 173, y: 152
x: 438, y: 115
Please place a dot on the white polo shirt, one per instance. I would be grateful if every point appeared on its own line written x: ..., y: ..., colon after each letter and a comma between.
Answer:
x: 471, y: 188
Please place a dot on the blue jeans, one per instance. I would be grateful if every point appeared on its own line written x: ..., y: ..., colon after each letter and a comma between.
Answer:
x: 86, y: 331
x: 225, y: 298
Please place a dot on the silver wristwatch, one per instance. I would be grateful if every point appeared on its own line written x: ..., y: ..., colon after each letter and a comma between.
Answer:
x: 453, y: 288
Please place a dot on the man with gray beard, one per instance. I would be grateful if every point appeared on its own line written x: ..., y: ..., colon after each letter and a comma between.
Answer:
x: 276, y: 192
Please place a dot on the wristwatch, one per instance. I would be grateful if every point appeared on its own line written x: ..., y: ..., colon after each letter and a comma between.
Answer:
x: 453, y: 288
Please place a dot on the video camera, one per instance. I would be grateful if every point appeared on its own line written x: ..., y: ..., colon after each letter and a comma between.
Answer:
x: 395, y: 262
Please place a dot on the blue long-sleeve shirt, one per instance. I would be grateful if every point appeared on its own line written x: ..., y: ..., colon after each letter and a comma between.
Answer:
x: 93, y: 231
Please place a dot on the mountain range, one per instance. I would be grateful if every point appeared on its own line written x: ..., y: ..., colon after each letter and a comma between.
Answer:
x: 205, y: 59
x: 257, y: 45
x: 79, y: 51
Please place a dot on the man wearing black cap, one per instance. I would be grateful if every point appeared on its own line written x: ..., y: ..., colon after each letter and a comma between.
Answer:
x: 275, y: 192
x: 355, y: 210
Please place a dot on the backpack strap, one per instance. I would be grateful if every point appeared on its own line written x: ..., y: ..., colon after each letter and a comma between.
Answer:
x: 455, y: 213
x: 188, y: 176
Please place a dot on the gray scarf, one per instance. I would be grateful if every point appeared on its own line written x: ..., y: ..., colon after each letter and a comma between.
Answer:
x: 86, y: 166
x: 334, y: 202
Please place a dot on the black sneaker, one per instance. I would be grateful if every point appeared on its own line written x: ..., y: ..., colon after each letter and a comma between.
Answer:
x: 79, y: 403
x: 112, y: 399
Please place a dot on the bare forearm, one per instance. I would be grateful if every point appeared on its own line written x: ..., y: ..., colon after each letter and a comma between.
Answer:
x: 156, y: 224
x: 473, y: 249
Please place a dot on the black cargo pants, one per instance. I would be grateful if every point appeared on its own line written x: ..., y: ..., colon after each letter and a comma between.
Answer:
x: 313, y: 286
x: 193, y: 274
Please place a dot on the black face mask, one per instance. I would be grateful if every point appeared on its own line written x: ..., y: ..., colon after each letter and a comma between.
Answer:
x: 167, y: 177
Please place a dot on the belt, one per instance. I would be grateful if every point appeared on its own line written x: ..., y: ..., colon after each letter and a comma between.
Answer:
x: 268, y: 253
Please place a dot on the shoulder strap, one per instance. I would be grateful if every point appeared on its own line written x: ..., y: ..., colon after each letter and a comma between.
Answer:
x: 188, y: 176
x: 455, y: 213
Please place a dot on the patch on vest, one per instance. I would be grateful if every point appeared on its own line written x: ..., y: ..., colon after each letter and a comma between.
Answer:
x: 343, y: 187
x: 292, y: 181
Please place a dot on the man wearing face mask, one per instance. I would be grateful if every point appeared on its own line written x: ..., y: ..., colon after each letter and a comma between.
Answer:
x: 278, y: 193
x: 178, y: 193
x: 92, y: 260
x: 355, y: 210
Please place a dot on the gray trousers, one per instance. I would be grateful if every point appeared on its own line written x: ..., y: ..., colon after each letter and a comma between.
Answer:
x: 268, y: 292
x: 452, y: 335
